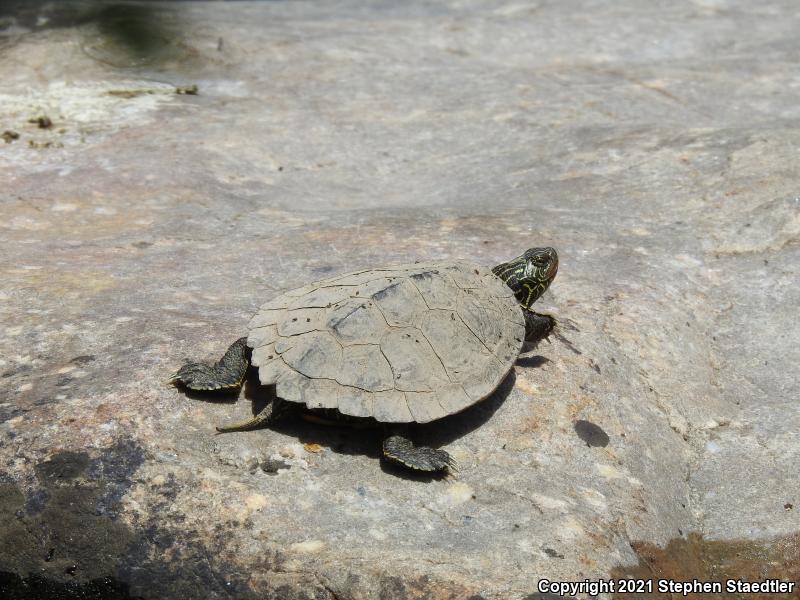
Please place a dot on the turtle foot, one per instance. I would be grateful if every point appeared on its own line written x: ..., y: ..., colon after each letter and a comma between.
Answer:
x: 228, y: 373
x: 538, y: 326
x: 401, y: 451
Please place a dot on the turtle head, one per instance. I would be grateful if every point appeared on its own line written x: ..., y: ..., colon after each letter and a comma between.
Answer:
x: 529, y: 275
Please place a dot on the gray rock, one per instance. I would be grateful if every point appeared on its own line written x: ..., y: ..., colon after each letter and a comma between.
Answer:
x: 654, y: 146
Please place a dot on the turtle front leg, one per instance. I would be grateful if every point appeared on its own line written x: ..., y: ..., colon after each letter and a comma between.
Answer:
x: 537, y: 326
x: 403, y: 452
x: 227, y: 373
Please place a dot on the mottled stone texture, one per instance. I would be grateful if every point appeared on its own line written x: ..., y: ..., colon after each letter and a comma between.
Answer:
x: 655, y: 145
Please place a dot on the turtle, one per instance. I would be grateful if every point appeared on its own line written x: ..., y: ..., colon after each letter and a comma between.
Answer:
x: 396, y: 345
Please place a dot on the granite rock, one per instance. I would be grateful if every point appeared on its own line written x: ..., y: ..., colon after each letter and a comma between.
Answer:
x: 654, y: 145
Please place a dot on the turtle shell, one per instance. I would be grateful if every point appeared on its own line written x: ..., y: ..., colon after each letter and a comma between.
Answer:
x: 410, y: 343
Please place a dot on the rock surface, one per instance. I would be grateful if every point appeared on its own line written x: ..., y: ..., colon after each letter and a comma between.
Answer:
x: 144, y: 220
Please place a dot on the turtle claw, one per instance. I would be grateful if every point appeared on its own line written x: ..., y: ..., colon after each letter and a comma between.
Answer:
x: 175, y: 377
x: 452, y: 465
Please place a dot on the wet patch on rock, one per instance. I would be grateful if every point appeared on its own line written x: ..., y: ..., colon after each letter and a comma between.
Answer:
x: 114, y: 468
x: 63, y: 539
x: 57, y: 532
x: 693, y: 557
x: 34, y: 587
x: 62, y: 467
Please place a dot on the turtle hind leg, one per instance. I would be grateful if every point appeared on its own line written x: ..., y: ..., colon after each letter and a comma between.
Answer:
x: 227, y: 373
x: 274, y: 410
x: 401, y: 451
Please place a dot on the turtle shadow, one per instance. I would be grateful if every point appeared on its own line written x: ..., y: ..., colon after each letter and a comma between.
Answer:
x: 533, y: 362
x: 355, y: 439
x: 340, y: 438
x: 364, y: 437
x: 258, y: 394
x: 396, y: 470
x: 213, y: 396
x: 446, y: 430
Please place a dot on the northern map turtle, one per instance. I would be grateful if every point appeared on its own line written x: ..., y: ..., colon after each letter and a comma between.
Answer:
x: 398, y: 344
